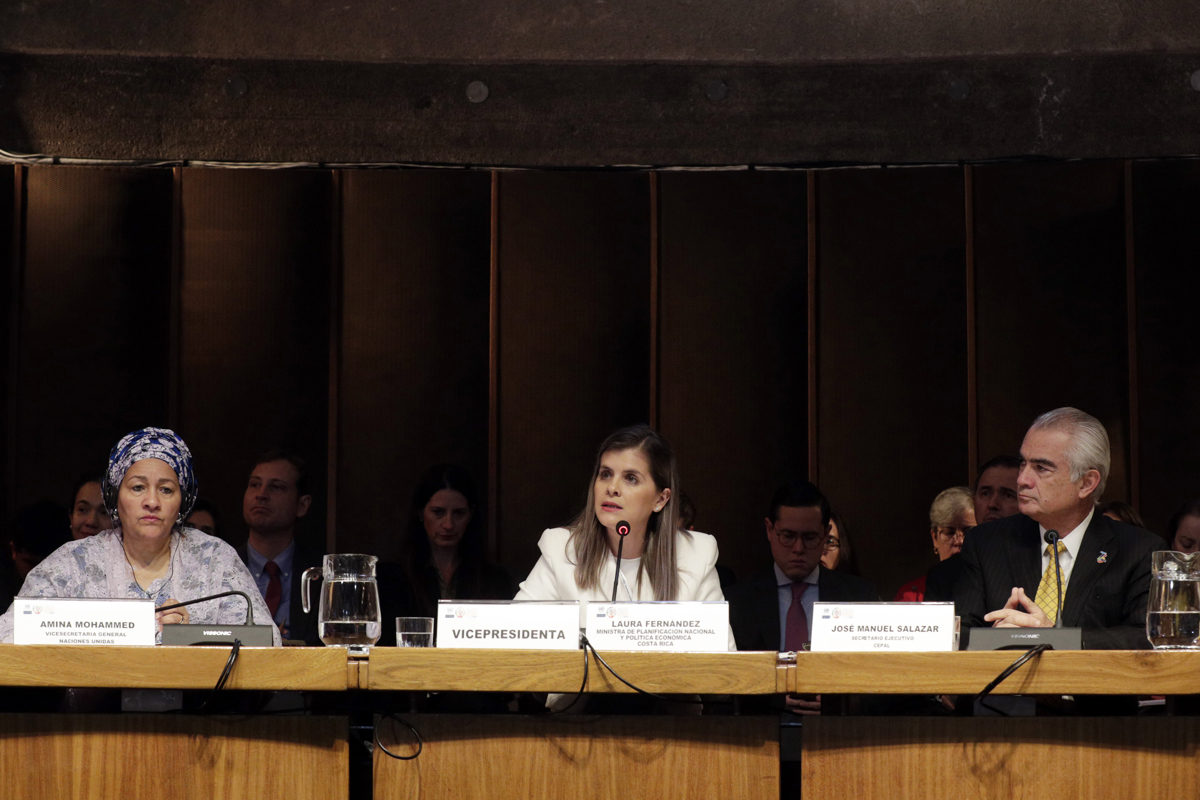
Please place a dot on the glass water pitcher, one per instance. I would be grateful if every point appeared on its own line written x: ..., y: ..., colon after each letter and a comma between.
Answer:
x: 1173, y: 610
x: 349, y: 612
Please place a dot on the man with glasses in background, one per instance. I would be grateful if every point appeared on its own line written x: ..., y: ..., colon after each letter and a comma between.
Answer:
x: 773, y: 610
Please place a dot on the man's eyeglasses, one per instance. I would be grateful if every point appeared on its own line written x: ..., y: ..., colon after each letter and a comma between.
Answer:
x: 810, y: 539
x: 955, y: 533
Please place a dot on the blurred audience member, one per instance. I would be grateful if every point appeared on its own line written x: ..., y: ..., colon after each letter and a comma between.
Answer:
x: 838, y: 552
x: 687, y: 512
x: 951, y: 518
x: 1122, y: 512
x: 443, y: 552
x: 1183, y: 528
x: 205, y: 518
x: 38, y: 529
x: 773, y: 610
x: 88, y: 514
x: 996, y: 489
x: 276, y: 498
x: 995, y: 498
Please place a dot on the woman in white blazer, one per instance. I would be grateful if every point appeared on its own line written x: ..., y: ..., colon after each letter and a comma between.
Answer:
x: 633, y: 481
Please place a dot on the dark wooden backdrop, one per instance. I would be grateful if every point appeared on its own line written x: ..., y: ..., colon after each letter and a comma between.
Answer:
x: 880, y: 330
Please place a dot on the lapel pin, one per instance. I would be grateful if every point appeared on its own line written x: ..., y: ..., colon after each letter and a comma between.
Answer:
x: 1103, y: 557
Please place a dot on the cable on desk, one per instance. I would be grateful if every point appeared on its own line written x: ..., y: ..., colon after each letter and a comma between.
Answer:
x: 225, y: 673
x: 1013, y: 667
x: 582, y: 686
x: 588, y: 646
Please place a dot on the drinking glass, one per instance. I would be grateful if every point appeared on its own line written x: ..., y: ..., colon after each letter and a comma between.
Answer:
x: 414, y: 631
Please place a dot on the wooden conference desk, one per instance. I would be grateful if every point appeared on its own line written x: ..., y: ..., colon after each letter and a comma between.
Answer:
x: 159, y: 756
x: 170, y: 756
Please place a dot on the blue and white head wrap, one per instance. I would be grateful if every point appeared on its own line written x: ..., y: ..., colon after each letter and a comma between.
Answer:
x: 157, y: 443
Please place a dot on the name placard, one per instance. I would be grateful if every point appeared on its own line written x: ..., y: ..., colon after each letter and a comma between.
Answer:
x: 687, y: 626
x: 499, y: 625
x: 71, y: 620
x: 899, y: 627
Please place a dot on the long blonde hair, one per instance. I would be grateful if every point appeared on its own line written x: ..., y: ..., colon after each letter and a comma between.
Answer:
x: 589, y: 540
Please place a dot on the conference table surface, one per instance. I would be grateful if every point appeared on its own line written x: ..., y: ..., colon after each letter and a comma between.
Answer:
x: 1136, y: 672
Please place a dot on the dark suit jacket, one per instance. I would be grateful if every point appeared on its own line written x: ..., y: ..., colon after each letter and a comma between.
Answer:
x: 754, y: 604
x: 1109, y: 583
x: 942, y: 578
x: 301, y: 626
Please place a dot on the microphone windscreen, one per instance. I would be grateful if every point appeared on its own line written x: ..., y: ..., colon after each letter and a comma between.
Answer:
x: 623, y: 528
x: 1051, y: 537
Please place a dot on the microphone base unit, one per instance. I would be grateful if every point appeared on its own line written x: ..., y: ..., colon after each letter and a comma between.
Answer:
x: 1022, y: 638
x: 186, y: 635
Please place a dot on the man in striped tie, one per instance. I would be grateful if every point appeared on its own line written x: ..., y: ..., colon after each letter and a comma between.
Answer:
x: 1009, y: 575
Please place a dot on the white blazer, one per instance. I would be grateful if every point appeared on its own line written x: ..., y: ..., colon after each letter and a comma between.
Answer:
x: 553, y: 577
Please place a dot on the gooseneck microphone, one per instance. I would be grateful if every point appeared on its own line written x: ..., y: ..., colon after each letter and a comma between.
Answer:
x: 1052, y: 539
x: 249, y: 605
x: 622, y: 532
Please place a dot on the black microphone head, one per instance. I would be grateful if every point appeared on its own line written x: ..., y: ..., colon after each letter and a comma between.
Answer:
x: 623, y: 528
x: 1051, y: 537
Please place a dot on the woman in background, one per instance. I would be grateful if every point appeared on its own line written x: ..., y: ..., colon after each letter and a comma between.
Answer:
x: 1121, y: 511
x: 88, y: 514
x: 951, y: 518
x: 1183, y: 528
x: 442, y: 555
x: 838, y: 552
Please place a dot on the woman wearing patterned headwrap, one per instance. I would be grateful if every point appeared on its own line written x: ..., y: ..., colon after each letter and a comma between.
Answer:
x: 149, y: 488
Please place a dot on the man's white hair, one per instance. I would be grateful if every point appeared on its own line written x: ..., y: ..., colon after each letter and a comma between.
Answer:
x: 1088, y: 447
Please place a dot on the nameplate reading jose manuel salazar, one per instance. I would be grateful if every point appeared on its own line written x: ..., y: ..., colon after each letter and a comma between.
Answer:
x: 498, y: 625
x: 898, y: 627
x: 70, y: 620
x: 689, y: 626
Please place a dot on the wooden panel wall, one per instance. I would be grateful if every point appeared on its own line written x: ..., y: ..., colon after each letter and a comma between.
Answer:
x: 1050, y: 300
x: 9, y: 293
x: 610, y: 298
x: 94, y: 320
x: 574, y: 304
x: 892, y: 358
x: 413, y: 388
x: 1166, y: 216
x: 255, y: 328
x: 732, y: 346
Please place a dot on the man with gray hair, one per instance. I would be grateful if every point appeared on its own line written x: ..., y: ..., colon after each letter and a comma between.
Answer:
x: 1008, y: 577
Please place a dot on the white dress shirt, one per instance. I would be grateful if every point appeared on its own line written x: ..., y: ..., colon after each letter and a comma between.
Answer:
x: 1066, y: 561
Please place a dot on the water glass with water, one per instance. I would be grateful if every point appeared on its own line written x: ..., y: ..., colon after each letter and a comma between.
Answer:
x: 414, y: 631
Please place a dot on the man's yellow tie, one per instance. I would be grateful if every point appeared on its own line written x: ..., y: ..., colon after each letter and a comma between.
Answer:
x: 1047, y: 593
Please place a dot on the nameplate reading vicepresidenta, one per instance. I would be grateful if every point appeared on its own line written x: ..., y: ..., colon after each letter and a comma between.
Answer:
x: 70, y: 620
x: 500, y: 625
x: 659, y: 626
x: 882, y: 627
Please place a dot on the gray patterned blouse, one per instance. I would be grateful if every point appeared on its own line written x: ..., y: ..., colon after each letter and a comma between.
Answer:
x: 200, y: 565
